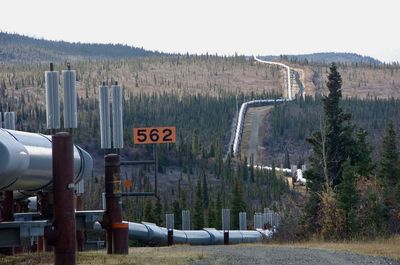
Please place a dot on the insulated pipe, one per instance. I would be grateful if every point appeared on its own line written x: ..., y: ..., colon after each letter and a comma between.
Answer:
x: 152, y: 234
x: 242, y: 113
x: 289, y: 85
x: 26, y: 162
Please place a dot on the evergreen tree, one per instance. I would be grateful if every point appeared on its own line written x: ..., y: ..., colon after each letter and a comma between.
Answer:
x: 205, y: 192
x: 347, y: 198
x: 332, y: 145
x: 389, y: 169
x: 148, y: 211
x: 177, y: 214
x: 211, y: 215
x: 218, y: 210
x: 198, y: 216
x: 362, y: 154
x: 252, y: 178
x: 157, y: 213
x: 238, y: 205
x: 286, y: 159
x: 338, y: 128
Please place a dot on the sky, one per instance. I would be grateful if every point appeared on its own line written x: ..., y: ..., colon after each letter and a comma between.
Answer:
x: 226, y: 27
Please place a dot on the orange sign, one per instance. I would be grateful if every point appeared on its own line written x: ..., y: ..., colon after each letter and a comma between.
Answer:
x: 154, y: 135
x: 128, y: 184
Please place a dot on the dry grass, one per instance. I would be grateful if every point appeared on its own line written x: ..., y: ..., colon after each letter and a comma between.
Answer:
x: 137, y: 256
x: 382, y: 247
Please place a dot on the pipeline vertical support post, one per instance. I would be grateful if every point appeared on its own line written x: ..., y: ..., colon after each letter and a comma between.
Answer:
x: 170, y: 227
x: 117, y: 231
x: 45, y: 205
x: 7, y: 215
x: 226, y: 219
x: 62, y: 233
x: 80, y: 234
x: 7, y: 211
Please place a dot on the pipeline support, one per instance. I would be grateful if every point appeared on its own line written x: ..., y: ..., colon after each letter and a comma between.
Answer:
x: 117, y: 231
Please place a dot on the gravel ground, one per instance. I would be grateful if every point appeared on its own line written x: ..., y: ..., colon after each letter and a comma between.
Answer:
x: 255, y: 255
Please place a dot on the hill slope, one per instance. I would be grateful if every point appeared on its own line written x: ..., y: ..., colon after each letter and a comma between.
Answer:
x: 19, y: 48
x: 326, y: 57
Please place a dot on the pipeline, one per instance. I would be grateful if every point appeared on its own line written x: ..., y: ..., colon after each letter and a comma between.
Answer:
x: 242, y: 113
x: 26, y: 162
x: 152, y: 234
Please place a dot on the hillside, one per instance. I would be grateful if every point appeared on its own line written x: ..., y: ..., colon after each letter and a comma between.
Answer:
x: 325, y: 58
x: 18, y: 48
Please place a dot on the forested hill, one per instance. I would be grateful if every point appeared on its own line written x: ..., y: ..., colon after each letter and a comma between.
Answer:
x: 325, y: 58
x: 18, y: 48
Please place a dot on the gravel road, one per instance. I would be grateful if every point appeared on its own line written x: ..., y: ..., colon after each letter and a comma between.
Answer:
x: 251, y: 139
x: 255, y: 255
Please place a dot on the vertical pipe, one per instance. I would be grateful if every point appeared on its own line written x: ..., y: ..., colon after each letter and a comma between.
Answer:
x: 170, y: 227
x: 52, y: 100
x: 155, y: 169
x: 7, y: 210
x: 9, y: 120
x: 170, y: 237
x: 105, y: 129
x: 118, y: 131
x: 7, y: 215
x: 45, y: 205
x: 70, y: 108
x: 226, y: 225
x: 80, y: 235
x: 117, y: 232
x: 64, y: 225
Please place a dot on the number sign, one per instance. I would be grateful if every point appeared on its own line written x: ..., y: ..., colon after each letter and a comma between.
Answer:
x: 154, y: 135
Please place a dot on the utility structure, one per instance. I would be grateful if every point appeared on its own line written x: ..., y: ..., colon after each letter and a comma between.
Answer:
x: 226, y: 220
x: 116, y: 230
x: 62, y: 233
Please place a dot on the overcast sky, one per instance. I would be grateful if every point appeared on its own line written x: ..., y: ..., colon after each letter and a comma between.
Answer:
x: 216, y: 26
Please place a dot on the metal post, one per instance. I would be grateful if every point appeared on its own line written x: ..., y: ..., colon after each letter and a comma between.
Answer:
x: 242, y: 221
x: 7, y: 215
x: 7, y: 209
x: 80, y: 234
x: 226, y: 225
x: 62, y: 233
x: 117, y: 231
x: 170, y: 227
x: 45, y: 204
x: 185, y: 220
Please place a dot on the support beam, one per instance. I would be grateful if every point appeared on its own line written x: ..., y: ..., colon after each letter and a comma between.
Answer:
x: 62, y: 233
x: 117, y: 231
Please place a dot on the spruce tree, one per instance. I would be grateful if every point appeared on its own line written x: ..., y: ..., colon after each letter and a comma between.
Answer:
x: 238, y: 205
x: 362, y: 159
x: 148, y: 211
x: 198, y: 216
x: 211, y: 215
x: 347, y: 198
x: 389, y: 169
x: 218, y: 210
x: 332, y: 145
x: 205, y: 192
x: 177, y: 214
x: 157, y: 213
x: 338, y: 128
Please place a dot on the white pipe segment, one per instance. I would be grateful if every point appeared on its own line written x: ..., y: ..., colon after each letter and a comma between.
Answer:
x: 289, y: 85
x: 260, y: 102
x: 26, y: 161
x: 242, y: 113
x: 152, y: 234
